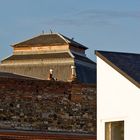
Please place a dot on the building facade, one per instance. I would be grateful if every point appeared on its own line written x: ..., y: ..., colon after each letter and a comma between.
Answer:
x: 35, y: 58
x: 118, y: 96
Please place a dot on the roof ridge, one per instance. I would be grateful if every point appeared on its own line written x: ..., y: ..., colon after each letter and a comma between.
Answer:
x: 67, y: 41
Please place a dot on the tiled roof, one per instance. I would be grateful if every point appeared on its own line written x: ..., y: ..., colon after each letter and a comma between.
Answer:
x: 12, y: 75
x: 83, y: 58
x: 38, y: 56
x: 62, y: 71
x: 128, y: 64
x: 49, y: 39
x: 74, y: 43
x: 48, y: 56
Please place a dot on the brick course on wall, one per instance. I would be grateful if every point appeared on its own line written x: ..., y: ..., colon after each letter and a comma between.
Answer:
x: 47, y: 106
x: 44, y: 136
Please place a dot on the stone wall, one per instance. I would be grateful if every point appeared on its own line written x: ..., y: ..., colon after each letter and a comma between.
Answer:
x: 47, y: 106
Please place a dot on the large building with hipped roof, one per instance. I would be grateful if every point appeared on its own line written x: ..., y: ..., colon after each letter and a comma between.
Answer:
x: 35, y: 58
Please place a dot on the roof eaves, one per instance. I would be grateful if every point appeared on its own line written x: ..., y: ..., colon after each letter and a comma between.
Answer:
x: 117, y: 69
x: 72, y: 42
x: 79, y: 45
x: 5, y: 58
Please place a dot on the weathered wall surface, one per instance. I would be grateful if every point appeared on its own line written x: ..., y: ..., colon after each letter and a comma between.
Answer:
x: 41, y: 71
x: 47, y: 106
x: 38, y: 49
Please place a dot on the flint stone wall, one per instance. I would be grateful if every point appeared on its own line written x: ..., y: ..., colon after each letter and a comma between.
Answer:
x: 47, y: 106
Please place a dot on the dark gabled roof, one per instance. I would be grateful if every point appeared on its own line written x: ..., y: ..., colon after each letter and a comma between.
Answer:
x: 38, y: 56
x: 49, y: 40
x: 128, y: 64
x: 74, y: 43
x: 12, y: 75
x: 83, y: 58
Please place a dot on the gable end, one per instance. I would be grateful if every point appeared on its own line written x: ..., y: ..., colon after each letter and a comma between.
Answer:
x: 117, y: 69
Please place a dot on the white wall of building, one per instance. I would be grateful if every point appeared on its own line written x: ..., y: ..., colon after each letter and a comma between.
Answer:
x: 117, y: 99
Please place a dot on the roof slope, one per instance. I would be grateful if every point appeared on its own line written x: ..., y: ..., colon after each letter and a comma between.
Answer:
x: 48, y: 56
x: 128, y: 64
x: 49, y: 39
x: 12, y: 75
x: 83, y: 58
x: 62, y: 70
x: 38, y: 56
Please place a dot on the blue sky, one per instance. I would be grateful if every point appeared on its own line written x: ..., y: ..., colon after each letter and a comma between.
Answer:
x: 112, y: 25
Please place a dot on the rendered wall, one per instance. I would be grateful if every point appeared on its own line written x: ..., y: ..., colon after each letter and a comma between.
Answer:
x: 117, y: 99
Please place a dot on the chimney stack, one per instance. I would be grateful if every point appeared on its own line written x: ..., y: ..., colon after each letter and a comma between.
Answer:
x: 50, y: 77
x: 73, y: 73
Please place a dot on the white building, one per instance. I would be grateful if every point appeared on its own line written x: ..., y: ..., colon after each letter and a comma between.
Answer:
x: 118, y: 96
